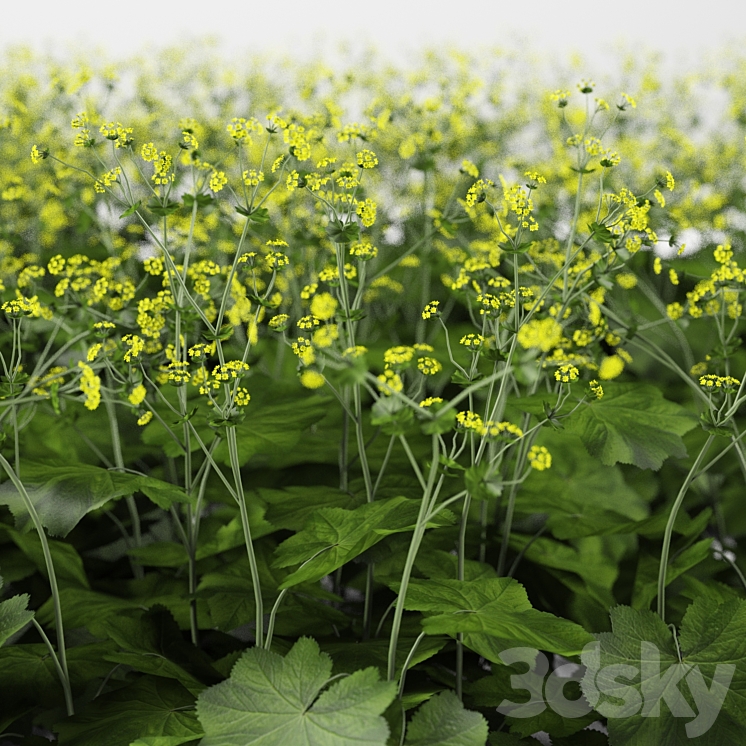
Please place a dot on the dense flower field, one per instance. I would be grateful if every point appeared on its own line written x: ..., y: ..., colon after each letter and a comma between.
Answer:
x: 364, y: 405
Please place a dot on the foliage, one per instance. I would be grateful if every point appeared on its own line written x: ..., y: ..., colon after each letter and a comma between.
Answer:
x: 385, y: 430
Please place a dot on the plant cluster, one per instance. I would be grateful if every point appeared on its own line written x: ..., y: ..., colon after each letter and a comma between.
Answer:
x: 307, y: 420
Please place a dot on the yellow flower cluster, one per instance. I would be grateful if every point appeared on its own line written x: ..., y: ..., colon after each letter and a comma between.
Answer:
x: 539, y: 458
x: 367, y: 159
x: 566, y: 373
x: 477, y: 191
x: 492, y: 429
x: 711, y: 381
x: 390, y: 382
x: 364, y: 251
x: 596, y: 388
x: 90, y: 385
x: 431, y: 309
x: 472, y: 341
x: 469, y: 420
x: 542, y: 333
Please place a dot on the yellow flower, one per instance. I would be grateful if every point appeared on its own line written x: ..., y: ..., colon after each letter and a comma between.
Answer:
x: 469, y: 420
x: 90, y: 385
x: 467, y: 167
x: 566, y: 373
x: 138, y: 395
x: 145, y: 418
x: 626, y: 280
x: 390, y: 382
x: 324, y: 306
x: 539, y: 458
x: 472, y: 341
x: 429, y: 366
x: 312, y: 379
x: 611, y: 366
x: 218, y: 180
x: 367, y: 159
x: 542, y: 333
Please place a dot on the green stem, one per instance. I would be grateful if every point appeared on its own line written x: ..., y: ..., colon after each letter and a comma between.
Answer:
x: 461, y: 563
x: 116, y: 445
x: 241, y: 499
x: 414, y: 545
x: 29, y: 505
x: 669, y: 528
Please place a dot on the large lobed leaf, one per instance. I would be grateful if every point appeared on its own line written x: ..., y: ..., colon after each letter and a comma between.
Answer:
x: 62, y: 493
x: 493, y: 614
x: 149, y: 709
x: 653, y: 701
x: 334, y: 536
x: 443, y: 721
x: 276, y: 701
x: 632, y: 424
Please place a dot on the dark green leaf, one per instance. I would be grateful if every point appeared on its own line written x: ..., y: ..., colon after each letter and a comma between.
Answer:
x: 660, y: 699
x: 14, y: 615
x: 335, y: 536
x: 494, y: 614
x: 632, y: 424
x: 150, y: 707
x: 151, y: 642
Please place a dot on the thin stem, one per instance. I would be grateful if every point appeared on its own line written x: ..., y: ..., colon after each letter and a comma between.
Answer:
x: 29, y: 505
x: 419, y: 532
x: 669, y: 528
x: 241, y: 499
x: 461, y: 563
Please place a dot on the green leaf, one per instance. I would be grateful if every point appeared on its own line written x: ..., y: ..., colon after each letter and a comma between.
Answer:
x: 594, y: 559
x: 341, y: 232
x: 160, y: 554
x: 131, y: 210
x: 443, y: 721
x: 275, y: 430
x: 275, y: 701
x: 202, y: 200
x: 13, y: 615
x: 481, y: 482
x: 62, y: 494
x: 166, y: 741
x: 68, y: 564
x: 259, y: 215
x: 291, y: 507
x: 334, y: 536
x: 601, y: 233
x: 163, y: 210
x: 646, y: 579
x: 82, y: 607
x: 151, y: 642
x: 150, y: 707
x: 659, y: 699
x: 579, y: 495
x: 350, y: 656
x: 512, y: 683
x: 632, y: 424
x: 494, y: 614
x: 28, y: 677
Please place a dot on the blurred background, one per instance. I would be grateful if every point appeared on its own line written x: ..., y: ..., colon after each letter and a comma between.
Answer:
x: 585, y: 33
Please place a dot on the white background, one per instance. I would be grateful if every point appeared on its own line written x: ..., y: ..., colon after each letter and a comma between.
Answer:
x: 118, y: 28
